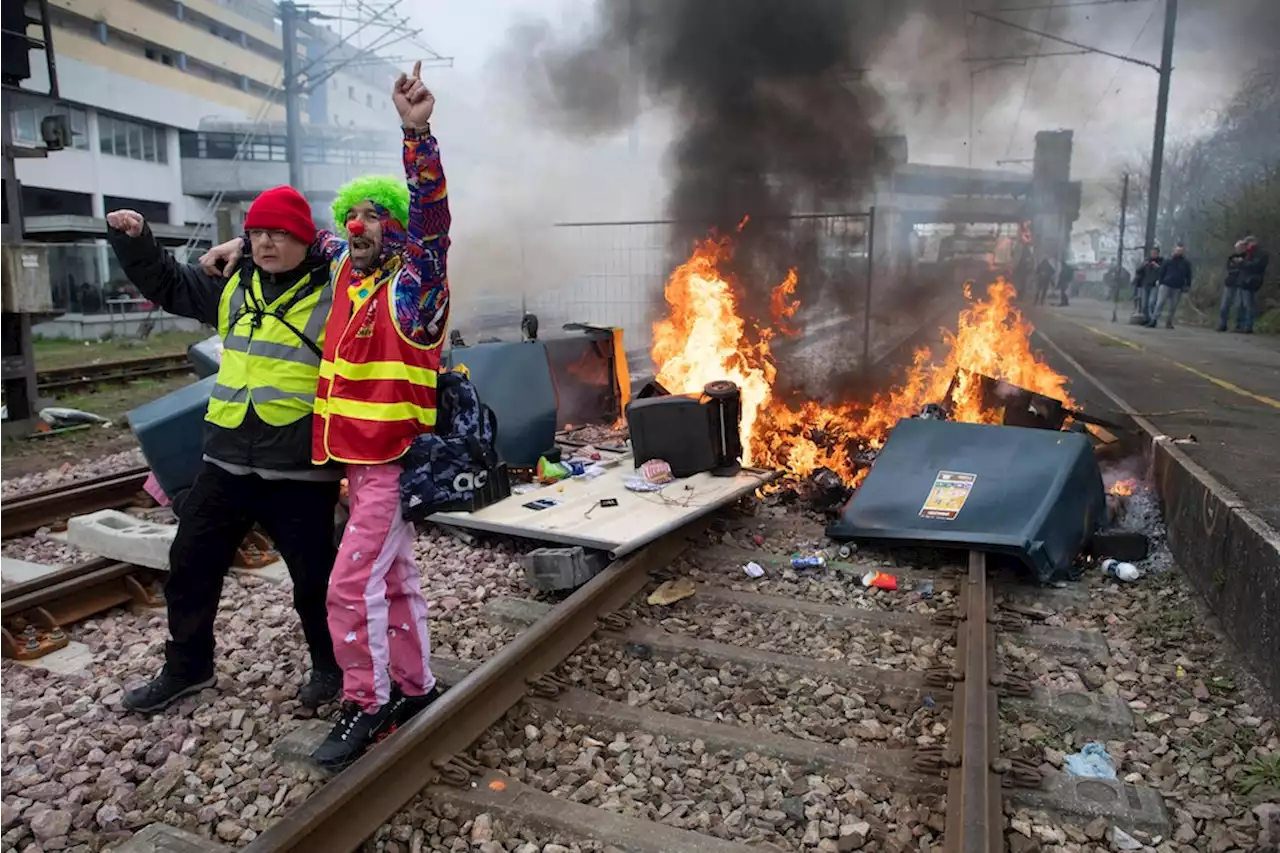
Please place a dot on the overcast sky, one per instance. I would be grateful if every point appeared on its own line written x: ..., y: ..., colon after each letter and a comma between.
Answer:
x: 510, y: 178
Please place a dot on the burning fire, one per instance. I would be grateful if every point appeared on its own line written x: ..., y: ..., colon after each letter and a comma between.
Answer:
x: 1123, y: 488
x: 705, y: 337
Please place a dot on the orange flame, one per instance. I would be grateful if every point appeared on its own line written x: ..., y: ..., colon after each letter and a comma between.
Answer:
x: 705, y: 337
x: 1124, y: 488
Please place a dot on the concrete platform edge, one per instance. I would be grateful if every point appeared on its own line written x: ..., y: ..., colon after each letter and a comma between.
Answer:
x: 1230, y: 555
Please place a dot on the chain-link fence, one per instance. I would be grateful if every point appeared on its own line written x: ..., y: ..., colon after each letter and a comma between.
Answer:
x: 614, y: 273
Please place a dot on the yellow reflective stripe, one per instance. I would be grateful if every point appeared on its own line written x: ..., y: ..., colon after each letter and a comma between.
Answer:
x: 378, y: 370
x: 375, y: 411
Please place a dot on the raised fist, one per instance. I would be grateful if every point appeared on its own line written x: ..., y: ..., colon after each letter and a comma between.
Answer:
x: 414, y: 101
x: 128, y: 221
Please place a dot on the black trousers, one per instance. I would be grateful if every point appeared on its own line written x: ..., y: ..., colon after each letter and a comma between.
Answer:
x: 219, y: 510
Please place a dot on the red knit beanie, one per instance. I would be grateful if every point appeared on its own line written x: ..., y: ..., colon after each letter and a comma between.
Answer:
x: 282, y: 209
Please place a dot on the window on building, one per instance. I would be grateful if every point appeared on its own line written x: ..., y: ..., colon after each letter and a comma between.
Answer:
x: 122, y: 137
x: 26, y: 124
x: 155, y: 54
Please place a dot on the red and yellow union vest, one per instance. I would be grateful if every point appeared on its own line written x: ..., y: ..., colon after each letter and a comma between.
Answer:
x: 377, y: 388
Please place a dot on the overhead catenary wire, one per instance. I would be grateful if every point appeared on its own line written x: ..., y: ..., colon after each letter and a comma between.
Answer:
x: 1031, y: 73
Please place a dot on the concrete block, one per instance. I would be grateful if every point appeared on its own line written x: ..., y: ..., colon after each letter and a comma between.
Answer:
x: 1091, y: 715
x: 294, y: 749
x: 119, y: 536
x: 553, y: 569
x: 71, y: 659
x: 20, y: 571
x: 158, y: 838
x: 1129, y: 807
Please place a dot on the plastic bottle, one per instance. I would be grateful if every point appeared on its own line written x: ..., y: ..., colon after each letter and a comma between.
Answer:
x: 808, y: 562
x: 1121, y: 571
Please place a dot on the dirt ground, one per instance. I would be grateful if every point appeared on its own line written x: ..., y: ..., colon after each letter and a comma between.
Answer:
x: 19, y: 456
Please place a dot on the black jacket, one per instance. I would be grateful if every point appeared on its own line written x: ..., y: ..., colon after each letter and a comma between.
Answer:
x: 1148, y: 272
x: 1233, y: 269
x: 1175, y: 273
x: 1253, y: 269
x: 188, y: 291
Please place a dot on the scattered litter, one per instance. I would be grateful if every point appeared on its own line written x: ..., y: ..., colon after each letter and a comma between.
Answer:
x: 523, y: 488
x: 152, y: 487
x: 846, y: 550
x: 815, y: 562
x: 640, y: 484
x: 58, y: 417
x: 925, y: 589
x: 1121, y: 571
x: 754, y: 570
x: 656, y: 471
x: 929, y: 701
x: 1123, y: 840
x: 551, y: 471
x: 672, y: 591
x: 1189, y: 439
x: 1091, y: 761
x: 879, y: 580
x: 757, y: 540
x: 541, y: 503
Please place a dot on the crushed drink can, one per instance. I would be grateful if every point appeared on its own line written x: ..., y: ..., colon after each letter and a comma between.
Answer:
x: 808, y: 562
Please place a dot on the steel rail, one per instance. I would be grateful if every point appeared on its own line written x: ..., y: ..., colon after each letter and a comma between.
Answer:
x: 28, y: 513
x: 64, y: 587
x: 66, y: 378
x: 57, y: 576
x: 974, y: 823
x: 350, y: 808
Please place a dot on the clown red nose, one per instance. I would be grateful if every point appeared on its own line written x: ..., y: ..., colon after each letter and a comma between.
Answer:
x: 356, y: 228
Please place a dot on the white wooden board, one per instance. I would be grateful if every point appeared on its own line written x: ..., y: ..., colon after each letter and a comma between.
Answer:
x: 638, y: 519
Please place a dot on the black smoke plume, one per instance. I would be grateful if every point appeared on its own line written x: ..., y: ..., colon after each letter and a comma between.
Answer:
x: 774, y: 118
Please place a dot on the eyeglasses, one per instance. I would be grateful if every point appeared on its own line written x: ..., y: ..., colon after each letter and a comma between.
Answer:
x: 275, y: 235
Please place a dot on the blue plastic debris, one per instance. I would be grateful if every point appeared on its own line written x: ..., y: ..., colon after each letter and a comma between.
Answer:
x: 1091, y: 761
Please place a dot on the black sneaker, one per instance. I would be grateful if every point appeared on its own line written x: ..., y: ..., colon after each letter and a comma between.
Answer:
x: 162, y: 691
x: 354, y: 732
x: 401, y: 709
x: 323, y: 686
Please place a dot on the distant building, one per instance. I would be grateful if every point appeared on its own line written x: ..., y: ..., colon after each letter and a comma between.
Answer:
x: 177, y: 109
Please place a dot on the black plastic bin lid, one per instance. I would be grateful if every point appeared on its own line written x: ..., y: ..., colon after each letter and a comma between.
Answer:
x: 1031, y: 493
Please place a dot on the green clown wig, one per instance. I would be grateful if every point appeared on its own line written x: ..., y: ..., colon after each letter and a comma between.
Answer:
x: 387, y: 192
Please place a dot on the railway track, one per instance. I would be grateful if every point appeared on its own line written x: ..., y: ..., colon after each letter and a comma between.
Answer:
x: 126, y: 370
x: 27, y: 513
x: 550, y: 672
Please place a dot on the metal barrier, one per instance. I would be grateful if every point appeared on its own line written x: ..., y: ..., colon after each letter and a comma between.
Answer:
x: 615, y: 272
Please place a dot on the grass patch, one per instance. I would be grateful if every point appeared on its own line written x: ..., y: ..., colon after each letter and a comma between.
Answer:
x: 53, y: 353
x: 1263, y: 772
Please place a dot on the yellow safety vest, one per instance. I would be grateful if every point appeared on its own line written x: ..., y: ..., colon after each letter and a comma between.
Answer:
x: 264, y: 362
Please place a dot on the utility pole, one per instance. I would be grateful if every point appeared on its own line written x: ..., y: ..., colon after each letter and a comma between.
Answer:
x: 1162, y: 114
x: 292, y: 85
x: 1124, y: 209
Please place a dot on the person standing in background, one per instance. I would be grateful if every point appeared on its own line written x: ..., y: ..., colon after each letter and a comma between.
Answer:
x: 1231, y: 292
x: 1144, y: 283
x: 1253, y: 270
x: 1173, y: 279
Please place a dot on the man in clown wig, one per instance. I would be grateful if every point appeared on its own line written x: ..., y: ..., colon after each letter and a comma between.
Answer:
x: 377, y: 392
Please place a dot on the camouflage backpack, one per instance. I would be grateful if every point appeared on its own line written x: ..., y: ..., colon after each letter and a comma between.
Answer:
x: 444, y: 469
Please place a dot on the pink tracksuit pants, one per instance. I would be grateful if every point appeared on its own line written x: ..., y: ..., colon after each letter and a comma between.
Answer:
x: 377, y: 613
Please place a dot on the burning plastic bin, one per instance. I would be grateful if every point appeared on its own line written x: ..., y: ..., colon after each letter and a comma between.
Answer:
x: 1035, y: 494
x: 170, y: 431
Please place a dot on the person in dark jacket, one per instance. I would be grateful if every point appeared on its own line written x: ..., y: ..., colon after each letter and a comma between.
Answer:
x: 271, y: 314
x: 1231, y: 292
x: 1065, y: 278
x: 1173, y: 280
x: 1044, y: 280
x: 1253, y: 270
x: 1144, y: 283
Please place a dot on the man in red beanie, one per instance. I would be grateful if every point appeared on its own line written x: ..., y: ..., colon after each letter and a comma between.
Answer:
x: 271, y: 315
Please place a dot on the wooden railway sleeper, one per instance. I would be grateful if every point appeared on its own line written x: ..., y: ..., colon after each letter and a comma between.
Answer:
x: 457, y: 770
x: 547, y: 686
x: 1009, y: 623
x: 935, y: 760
